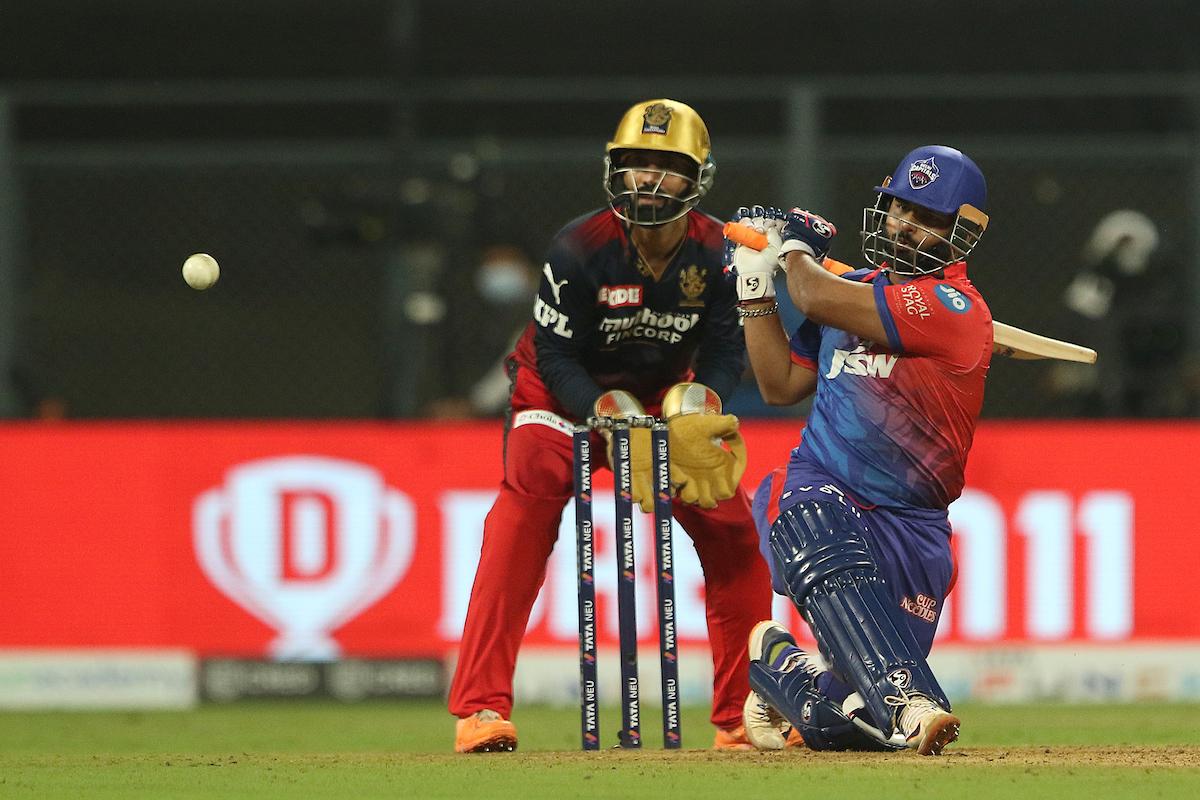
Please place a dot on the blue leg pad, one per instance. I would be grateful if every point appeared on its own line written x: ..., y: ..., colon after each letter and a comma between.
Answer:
x: 821, y: 550
x: 819, y: 719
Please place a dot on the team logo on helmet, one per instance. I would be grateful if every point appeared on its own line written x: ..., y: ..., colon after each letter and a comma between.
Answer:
x: 922, y: 173
x: 657, y: 118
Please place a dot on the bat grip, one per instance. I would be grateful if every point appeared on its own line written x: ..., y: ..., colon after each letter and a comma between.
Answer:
x: 744, y: 234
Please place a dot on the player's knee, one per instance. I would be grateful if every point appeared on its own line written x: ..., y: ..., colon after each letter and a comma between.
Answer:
x: 814, y: 540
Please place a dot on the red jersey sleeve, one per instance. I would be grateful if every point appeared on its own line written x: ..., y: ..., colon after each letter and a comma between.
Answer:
x: 944, y: 318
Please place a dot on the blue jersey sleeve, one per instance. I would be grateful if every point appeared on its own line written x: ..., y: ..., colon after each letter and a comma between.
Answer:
x: 806, y: 343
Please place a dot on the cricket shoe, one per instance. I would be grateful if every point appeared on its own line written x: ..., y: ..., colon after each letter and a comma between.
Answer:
x: 732, y: 739
x: 927, y: 727
x: 773, y: 652
x: 485, y: 732
x: 765, y: 727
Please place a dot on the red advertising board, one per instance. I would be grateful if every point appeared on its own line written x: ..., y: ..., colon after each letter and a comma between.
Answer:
x: 319, y: 539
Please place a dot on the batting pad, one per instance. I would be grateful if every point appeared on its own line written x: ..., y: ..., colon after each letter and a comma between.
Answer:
x: 820, y: 721
x: 821, y: 550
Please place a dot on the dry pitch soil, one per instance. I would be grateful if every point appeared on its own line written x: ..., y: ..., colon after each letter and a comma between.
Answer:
x: 1056, y: 756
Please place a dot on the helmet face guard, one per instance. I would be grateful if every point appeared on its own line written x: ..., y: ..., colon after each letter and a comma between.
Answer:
x: 942, y: 180
x: 663, y: 126
x: 923, y: 251
x: 649, y: 203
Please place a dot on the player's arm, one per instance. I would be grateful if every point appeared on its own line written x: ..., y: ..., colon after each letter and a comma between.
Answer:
x: 565, y: 320
x: 782, y: 380
x: 829, y: 300
x: 820, y: 295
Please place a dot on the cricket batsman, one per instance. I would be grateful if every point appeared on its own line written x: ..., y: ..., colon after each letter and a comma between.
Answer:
x: 855, y: 527
x: 633, y: 316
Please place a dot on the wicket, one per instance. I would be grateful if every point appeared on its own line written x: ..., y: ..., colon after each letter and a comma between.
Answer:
x: 630, y: 734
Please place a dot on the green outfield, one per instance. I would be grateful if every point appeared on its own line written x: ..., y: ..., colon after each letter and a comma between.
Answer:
x: 401, y: 750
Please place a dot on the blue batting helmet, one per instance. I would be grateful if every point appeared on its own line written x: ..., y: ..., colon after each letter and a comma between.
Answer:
x: 939, y: 178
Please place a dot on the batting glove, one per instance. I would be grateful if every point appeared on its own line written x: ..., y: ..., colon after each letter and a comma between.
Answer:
x: 806, y: 232
x: 753, y: 269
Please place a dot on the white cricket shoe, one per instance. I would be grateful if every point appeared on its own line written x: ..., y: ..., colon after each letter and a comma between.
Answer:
x: 766, y: 728
x: 927, y: 727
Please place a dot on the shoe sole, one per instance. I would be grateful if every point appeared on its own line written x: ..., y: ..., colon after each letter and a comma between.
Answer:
x: 940, y: 733
x: 503, y: 743
x: 757, y: 635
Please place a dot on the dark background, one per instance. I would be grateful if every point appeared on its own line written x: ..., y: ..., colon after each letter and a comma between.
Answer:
x: 144, y: 39
x: 340, y: 160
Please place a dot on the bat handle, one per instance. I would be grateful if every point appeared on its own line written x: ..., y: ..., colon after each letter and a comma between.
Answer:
x: 744, y: 234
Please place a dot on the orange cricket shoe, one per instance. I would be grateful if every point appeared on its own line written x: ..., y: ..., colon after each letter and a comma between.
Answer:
x: 732, y: 739
x: 794, y: 739
x: 485, y: 732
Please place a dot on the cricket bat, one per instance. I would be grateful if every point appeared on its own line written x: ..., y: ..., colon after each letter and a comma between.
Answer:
x: 1008, y: 340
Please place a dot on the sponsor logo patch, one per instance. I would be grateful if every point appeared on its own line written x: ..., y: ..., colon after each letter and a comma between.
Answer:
x: 550, y: 317
x: 555, y: 286
x: 923, y: 607
x: 648, y: 324
x: 620, y: 296
x: 952, y: 298
x: 922, y: 173
x: 914, y: 301
x: 860, y: 362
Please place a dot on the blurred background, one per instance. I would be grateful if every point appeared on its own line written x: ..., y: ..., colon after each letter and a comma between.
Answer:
x: 360, y: 169
x: 249, y: 479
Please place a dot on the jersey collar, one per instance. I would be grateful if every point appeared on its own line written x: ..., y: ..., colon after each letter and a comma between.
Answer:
x: 955, y: 271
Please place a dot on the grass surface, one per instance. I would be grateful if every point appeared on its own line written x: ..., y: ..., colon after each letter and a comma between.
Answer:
x: 312, y: 749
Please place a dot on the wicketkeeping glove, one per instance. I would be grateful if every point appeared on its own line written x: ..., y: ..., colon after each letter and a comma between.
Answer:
x: 708, y: 454
x: 806, y: 232
x: 620, y: 404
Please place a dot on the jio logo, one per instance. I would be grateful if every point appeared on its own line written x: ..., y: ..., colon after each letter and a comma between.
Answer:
x: 952, y: 298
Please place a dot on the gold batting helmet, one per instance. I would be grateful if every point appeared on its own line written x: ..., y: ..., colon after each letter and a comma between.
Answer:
x: 665, y: 126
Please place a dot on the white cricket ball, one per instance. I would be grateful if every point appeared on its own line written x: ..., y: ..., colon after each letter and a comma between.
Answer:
x: 201, y: 271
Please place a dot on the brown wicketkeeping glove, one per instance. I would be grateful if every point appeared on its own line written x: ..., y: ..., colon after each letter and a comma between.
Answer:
x: 620, y: 404
x: 708, y: 454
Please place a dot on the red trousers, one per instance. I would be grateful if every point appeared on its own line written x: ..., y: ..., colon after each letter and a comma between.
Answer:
x: 518, y: 535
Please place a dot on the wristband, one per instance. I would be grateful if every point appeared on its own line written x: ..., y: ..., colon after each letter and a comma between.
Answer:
x: 766, y: 311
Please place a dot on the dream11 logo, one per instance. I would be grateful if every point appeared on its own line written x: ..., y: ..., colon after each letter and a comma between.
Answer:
x: 305, y: 544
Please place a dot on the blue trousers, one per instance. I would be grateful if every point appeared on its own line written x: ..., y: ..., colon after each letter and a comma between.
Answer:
x: 911, y: 546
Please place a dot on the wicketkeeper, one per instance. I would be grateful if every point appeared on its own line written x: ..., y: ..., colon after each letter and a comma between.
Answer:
x: 633, y: 316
